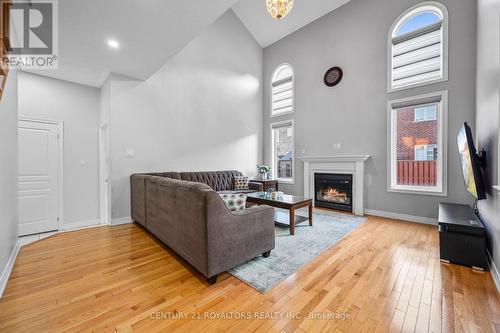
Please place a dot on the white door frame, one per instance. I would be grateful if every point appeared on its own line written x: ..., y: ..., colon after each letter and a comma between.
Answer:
x: 104, y: 185
x: 60, y: 125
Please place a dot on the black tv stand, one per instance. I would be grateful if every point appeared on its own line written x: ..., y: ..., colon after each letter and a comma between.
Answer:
x: 462, y: 236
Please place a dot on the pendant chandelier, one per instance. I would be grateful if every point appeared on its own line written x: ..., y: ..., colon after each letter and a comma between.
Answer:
x: 279, y: 8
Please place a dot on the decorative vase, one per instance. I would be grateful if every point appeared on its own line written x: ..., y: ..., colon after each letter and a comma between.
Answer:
x: 264, y: 176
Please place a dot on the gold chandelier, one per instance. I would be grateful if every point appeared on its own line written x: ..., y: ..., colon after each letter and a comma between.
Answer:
x: 279, y: 8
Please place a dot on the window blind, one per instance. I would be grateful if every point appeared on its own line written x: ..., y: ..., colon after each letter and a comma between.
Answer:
x: 282, y: 95
x: 416, y: 102
x: 417, y: 56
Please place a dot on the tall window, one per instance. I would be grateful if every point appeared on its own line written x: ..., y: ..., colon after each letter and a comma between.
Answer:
x: 418, y: 46
x: 282, y: 151
x: 417, y: 144
x: 282, y: 90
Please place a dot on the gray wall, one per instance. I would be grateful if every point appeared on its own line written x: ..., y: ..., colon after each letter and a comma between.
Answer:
x: 488, y: 127
x: 355, y: 112
x: 8, y: 170
x: 201, y: 111
x: 78, y: 107
x: 105, y: 97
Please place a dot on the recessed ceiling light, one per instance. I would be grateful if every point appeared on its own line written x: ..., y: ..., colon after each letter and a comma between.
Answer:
x: 114, y: 44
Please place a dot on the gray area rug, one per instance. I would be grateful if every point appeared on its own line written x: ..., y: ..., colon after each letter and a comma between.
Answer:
x: 292, y: 252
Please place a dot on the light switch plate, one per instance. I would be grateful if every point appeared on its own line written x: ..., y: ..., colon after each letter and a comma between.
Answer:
x: 130, y: 153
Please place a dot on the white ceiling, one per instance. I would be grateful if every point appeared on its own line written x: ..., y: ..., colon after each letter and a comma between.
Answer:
x: 150, y: 33
x: 266, y: 30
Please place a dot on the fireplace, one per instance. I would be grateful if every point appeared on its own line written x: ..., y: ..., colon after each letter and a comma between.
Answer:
x: 333, y: 191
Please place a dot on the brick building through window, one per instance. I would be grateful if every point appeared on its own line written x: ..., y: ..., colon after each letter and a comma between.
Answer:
x: 417, y: 132
x: 417, y: 145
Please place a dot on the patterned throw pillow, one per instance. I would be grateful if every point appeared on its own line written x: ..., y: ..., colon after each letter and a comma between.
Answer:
x: 234, y: 201
x: 240, y: 183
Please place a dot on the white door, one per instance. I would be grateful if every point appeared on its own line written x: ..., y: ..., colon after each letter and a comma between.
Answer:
x: 104, y: 172
x: 38, y: 176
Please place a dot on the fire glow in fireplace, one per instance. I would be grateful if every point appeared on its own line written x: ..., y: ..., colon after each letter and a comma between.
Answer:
x: 333, y: 191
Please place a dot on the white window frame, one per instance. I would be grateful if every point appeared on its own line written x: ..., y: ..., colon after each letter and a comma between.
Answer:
x: 280, y: 114
x: 424, y: 6
x: 272, y: 158
x: 415, y: 120
x: 441, y: 189
x: 426, y: 147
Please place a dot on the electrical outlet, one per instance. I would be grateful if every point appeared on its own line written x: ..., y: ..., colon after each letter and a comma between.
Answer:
x: 337, y: 146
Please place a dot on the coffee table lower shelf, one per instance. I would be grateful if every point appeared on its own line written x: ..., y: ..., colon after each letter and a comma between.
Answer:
x: 289, y: 204
x: 282, y: 218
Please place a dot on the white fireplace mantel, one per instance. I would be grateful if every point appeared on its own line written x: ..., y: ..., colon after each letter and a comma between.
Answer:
x: 351, y: 164
x: 341, y: 158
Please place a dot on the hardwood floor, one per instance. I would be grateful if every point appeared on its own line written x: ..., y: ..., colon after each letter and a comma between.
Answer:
x: 383, y: 276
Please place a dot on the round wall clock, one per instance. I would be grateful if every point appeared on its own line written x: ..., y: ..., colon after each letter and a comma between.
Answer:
x: 333, y: 76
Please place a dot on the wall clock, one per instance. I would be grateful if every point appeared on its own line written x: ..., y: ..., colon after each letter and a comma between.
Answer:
x: 333, y: 76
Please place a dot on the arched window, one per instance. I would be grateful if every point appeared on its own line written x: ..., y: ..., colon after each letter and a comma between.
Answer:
x: 282, y: 90
x: 418, y: 44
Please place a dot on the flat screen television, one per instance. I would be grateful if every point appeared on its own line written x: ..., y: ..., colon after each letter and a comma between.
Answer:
x: 471, y: 163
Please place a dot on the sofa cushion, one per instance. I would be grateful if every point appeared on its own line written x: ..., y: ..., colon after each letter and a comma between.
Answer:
x: 173, y: 175
x: 234, y: 202
x: 240, y: 183
x: 217, y: 180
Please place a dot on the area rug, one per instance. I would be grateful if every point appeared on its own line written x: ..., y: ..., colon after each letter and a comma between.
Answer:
x: 292, y: 252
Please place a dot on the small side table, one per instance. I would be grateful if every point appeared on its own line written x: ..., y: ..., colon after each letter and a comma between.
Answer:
x: 267, y: 184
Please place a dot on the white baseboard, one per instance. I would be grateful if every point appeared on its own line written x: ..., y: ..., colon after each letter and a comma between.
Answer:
x: 80, y: 225
x: 404, y: 217
x: 123, y: 220
x: 494, y: 271
x: 8, y: 268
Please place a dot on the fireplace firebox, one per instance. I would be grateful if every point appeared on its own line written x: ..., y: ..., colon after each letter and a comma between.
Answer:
x: 333, y: 191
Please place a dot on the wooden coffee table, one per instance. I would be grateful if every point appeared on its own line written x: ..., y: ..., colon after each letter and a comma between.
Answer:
x: 288, y: 202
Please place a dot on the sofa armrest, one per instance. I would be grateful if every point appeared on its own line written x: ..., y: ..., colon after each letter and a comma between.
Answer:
x: 138, y: 198
x: 254, y: 186
x: 261, y: 210
x: 236, y: 237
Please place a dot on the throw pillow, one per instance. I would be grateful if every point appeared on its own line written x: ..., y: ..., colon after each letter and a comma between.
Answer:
x: 240, y: 183
x: 234, y: 201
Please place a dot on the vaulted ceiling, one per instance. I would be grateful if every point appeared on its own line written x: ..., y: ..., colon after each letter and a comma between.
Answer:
x: 150, y: 32
x: 266, y: 30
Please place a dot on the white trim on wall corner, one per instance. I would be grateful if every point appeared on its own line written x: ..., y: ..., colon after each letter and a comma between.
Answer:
x: 495, y: 274
x: 404, y: 217
x: 8, y: 267
x: 122, y: 220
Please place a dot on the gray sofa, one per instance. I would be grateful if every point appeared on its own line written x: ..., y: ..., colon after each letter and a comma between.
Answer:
x: 187, y: 214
